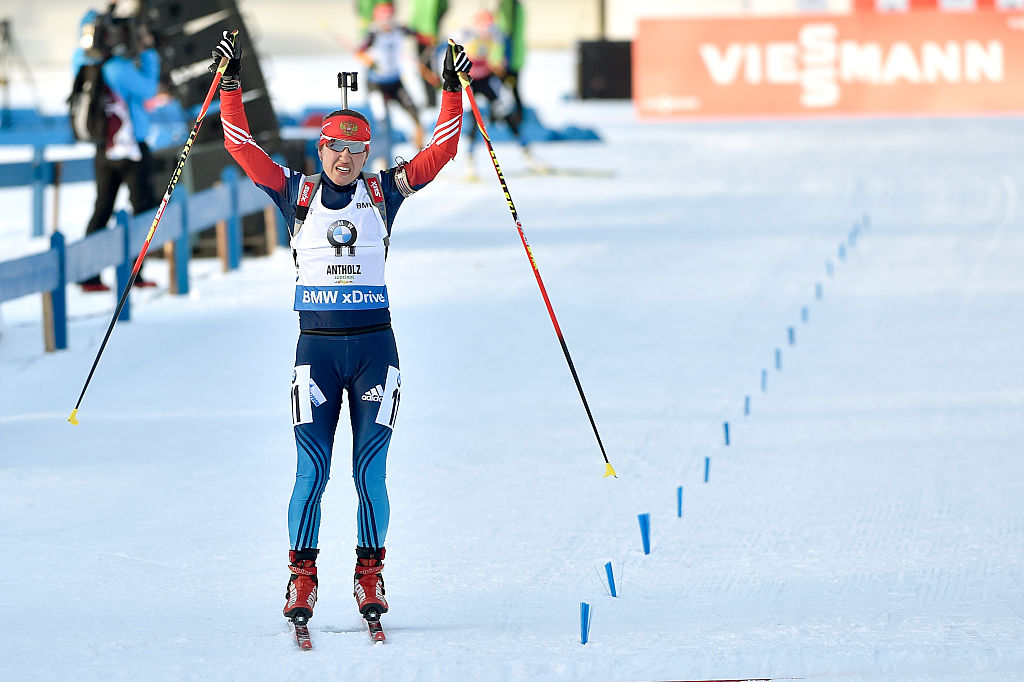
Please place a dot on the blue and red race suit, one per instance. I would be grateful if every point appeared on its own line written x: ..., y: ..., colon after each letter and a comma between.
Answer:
x: 342, y: 346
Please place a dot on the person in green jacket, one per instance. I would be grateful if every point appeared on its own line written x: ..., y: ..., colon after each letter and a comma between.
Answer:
x: 426, y: 21
x: 510, y: 17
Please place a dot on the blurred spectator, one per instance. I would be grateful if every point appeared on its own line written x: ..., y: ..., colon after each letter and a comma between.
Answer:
x: 382, y: 52
x: 485, y: 46
x: 131, y: 72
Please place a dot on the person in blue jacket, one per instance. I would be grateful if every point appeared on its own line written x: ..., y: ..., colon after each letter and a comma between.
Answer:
x: 131, y: 74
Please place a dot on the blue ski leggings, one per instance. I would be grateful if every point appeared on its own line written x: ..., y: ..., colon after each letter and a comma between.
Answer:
x: 366, y: 365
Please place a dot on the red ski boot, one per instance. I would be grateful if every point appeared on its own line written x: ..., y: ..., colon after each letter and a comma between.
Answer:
x: 368, y: 585
x: 301, y: 592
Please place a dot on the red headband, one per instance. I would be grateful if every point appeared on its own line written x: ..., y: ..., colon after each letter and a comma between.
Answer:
x: 345, y: 127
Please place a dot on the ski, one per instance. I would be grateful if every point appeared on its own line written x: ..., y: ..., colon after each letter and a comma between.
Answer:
x: 374, y: 628
x: 302, y: 633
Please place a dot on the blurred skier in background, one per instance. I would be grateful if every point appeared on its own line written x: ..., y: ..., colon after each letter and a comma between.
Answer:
x: 382, y: 52
x: 340, y: 223
x: 485, y: 46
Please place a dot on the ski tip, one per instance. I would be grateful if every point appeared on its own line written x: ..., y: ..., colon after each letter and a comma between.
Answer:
x: 609, y: 471
x: 74, y: 417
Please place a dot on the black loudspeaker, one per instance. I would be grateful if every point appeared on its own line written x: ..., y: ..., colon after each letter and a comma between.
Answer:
x: 170, y: 15
x: 605, y: 69
x: 187, y: 30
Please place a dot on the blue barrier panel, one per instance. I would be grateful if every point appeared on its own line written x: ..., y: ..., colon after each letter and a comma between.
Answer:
x: 28, y: 275
x: 39, y: 173
x: 229, y: 176
x: 29, y: 127
x: 88, y: 256
x: 22, y: 173
x: 39, y: 182
x: 138, y: 228
x: 172, y: 226
x: 207, y: 207
x: 17, y: 174
x: 169, y: 229
x: 119, y: 245
x: 251, y: 199
x: 124, y: 268
x: 183, y: 245
x: 77, y: 170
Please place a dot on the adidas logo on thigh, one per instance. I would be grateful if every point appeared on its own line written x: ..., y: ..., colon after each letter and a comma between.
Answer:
x: 375, y: 394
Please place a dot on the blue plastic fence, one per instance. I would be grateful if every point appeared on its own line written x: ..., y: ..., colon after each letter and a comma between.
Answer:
x: 38, y: 173
x: 118, y: 245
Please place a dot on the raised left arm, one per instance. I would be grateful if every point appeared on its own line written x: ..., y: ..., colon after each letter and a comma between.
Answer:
x: 443, y: 145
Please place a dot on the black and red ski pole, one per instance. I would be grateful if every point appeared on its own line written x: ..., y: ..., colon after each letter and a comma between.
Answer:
x: 152, y: 228
x: 608, y: 469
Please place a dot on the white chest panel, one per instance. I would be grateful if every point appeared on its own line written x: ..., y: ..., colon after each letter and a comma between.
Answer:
x: 386, y: 48
x: 339, y: 256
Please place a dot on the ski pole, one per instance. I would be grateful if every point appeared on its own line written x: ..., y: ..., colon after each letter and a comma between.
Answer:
x: 608, y: 469
x: 152, y: 228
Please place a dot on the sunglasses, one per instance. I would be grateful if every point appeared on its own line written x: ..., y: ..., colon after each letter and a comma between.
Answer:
x: 352, y: 146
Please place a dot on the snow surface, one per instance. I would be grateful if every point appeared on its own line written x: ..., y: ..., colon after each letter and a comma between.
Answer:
x: 865, y: 523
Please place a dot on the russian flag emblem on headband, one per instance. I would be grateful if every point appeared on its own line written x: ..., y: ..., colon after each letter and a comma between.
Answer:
x: 344, y: 127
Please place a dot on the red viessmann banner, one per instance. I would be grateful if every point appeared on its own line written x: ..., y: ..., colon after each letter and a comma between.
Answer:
x: 919, y: 62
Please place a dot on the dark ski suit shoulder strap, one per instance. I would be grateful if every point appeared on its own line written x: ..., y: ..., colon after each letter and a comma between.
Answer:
x: 377, y: 197
x: 307, y: 190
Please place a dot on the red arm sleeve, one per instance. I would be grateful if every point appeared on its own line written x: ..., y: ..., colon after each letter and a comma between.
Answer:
x: 425, y: 166
x: 256, y: 163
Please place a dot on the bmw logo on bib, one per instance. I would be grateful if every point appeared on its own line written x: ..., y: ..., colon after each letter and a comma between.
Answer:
x: 341, y: 234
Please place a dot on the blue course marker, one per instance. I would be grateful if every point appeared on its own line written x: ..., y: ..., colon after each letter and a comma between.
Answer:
x: 803, y: 314
x: 584, y: 622
x: 764, y: 380
x: 725, y: 427
x: 611, y: 579
x: 746, y: 405
x: 817, y: 290
x: 645, y: 531
x: 679, y: 502
x: 828, y: 267
x: 778, y: 359
x: 707, y: 468
x: 791, y: 333
x: 842, y: 252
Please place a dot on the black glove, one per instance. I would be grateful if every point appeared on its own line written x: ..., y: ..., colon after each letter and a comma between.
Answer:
x: 226, y: 48
x: 455, y: 62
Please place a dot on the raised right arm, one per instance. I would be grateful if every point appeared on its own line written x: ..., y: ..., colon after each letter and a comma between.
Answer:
x: 256, y: 163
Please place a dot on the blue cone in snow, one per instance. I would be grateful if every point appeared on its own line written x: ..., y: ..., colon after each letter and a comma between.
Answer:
x: 584, y: 622
x: 645, y: 531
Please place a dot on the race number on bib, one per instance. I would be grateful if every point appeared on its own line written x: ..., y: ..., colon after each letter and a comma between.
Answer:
x: 388, y: 411
x: 304, y: 395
